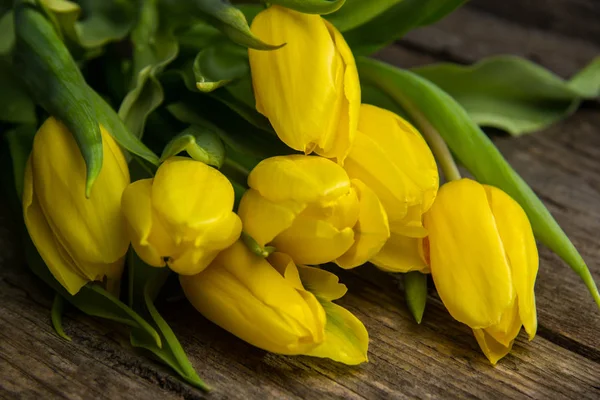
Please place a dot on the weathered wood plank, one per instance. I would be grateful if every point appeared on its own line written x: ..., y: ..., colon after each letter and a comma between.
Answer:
x: 577, y: 18
x: 469, y: 35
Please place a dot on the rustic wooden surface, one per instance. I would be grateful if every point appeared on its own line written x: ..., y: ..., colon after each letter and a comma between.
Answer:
x: 438, y: 358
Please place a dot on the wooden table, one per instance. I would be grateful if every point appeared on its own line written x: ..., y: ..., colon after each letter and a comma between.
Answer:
x: 438, y: 358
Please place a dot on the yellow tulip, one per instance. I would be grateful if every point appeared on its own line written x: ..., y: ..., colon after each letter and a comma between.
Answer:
x: 264, y: 302
x: 307, y: 207
x: 390, y: 157
x: 484, y: 261
x: 182, y: 217
x: 80, y: 239
x: 309, y: 88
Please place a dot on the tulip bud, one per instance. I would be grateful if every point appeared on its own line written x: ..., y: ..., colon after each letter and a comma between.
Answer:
x: 308, y: 207
x: 278, y: 306
x: 80, y: 239
x: 182, y: 217
x: 391, y: 158
x: 247, y: 296
x: 484, y: 261
x: 309, y: 88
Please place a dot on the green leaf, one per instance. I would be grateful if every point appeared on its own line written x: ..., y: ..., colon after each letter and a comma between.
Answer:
x: 54, y: 79
x: 16, y: 106
x: 104, y: 21
x: 92, y: 299
x: 154, y: 48
x: 7, y: 32
x: 429, y: 107
x: 56, y: 316
x: 226, y: 18
x: 357, y: 12
x: 396, y: 21
x: 146, y: 284
x: 201, y: 144
x: 513, y: 94
x: 311, y: 6
x: 236, y: 95
x: 115, y: 125
x: 219, y: 64
x: 415, y: 290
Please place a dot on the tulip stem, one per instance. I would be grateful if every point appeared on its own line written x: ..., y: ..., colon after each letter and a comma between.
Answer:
x: 438, y: 147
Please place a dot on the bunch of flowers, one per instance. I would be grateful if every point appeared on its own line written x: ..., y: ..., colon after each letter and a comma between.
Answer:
x: 273, y: 163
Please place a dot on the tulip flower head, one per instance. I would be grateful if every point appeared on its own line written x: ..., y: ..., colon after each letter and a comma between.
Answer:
x: 80, y: 239
x: 308, y: 208
x: 182, y: 217
x: 391, y: 158
x: 264, y: 302
x: 309, y: 88
x: 484, y: 262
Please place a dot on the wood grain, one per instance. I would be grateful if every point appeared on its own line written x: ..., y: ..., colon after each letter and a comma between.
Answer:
x: 438, y: 358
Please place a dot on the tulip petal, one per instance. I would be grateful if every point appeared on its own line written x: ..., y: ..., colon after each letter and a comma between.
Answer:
x: 508, y: 328
x: 188, y: 195
x: 263, y: 219
x: 286, y: 267
x: 312, y: 241
x: 521, y: 250
x: 401, y: 254
x: 370, y: 232
x: 347, y: 122
x: 90, y: 229
x: 492, y: 349
x: 294, y: 86
x: 346, y: 338
x: 321, y: 283
x: 62, y: 269
x: 392, y: 158
x: 245, y: 295
x: 149, y: 237
x: 467, y: 258
x: 304, y: 179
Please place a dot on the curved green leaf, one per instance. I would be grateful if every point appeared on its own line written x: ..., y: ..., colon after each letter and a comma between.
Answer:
x: 219, y: 64
x: 147, y: 282
x: 115, y: 125
x: 229, y: 20
x: 56, y: 316
x: 415, y: 291
x: 154, y: 47
x: 357, y: 12
x: 56, y: 82
x: 104, y: 21
x: 7, y: 32
x: 200, y: 143
x: 396, y: 21
x: 512, y: 93
x: 431, y: 108
x: 311, y: 6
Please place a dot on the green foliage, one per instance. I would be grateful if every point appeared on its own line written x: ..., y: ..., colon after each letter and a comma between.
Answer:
x: 513, y: 94
x: 311, y: 6
x: 415, y: 291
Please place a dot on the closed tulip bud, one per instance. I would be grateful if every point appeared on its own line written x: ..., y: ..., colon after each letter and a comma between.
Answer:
x: 484, y: 262
x: 80, y: 239
x: 307, y: 207
x: 264, y: 302
x: 182, y: 217
x: 390, y: 157
x: 309, y: 88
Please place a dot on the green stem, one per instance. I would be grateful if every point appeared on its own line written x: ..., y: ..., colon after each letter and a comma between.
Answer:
x: 438, y: 146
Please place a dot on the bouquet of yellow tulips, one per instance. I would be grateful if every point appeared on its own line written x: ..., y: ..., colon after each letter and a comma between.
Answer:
x: 240, y: 148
